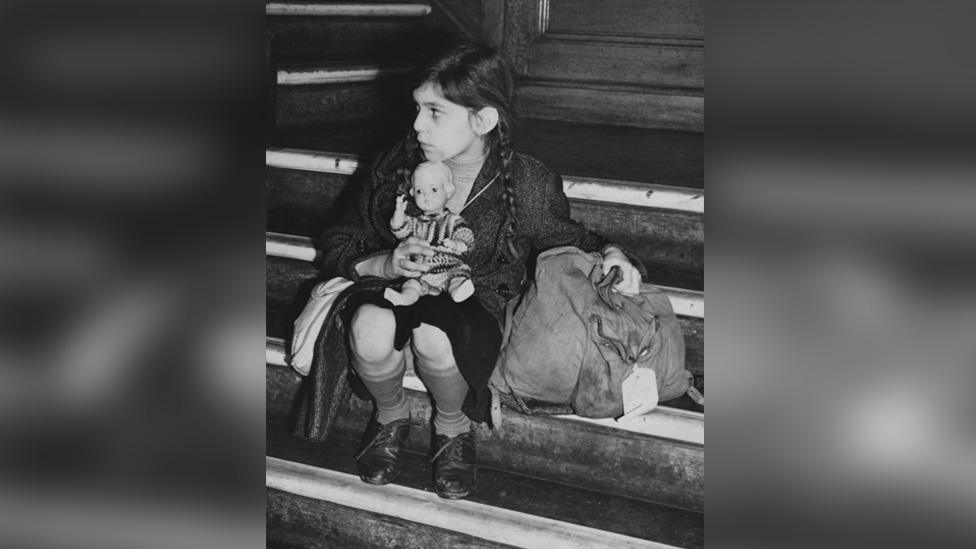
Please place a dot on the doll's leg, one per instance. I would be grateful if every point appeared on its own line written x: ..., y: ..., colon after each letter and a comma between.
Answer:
x: 408, y: 295
x: 381, y: 369
x: 454, y: 465
x: 460, y: 288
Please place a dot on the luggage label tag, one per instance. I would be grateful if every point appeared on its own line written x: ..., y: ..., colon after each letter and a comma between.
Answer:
x: 640, y: 395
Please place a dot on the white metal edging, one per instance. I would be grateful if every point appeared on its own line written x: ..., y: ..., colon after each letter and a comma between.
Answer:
x: 289, y: 246
x: 299, y: 77
x: 684, y: 302
x: 577, y: 188
x: 478, y: 520
x: 300, y: 159
x: 347, y: 10
x: 662, y: 422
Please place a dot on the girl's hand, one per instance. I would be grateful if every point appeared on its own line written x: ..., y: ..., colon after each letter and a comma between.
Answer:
x: 630, y: 284
x: 399, y: 264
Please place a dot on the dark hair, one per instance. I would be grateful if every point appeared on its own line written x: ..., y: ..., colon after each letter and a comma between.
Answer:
x: 477, y: 76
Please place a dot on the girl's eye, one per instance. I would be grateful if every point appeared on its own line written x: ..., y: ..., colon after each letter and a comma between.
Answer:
x: 435, y: 113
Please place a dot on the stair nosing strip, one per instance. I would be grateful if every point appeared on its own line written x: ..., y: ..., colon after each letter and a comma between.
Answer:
x: 334, y: 75
x: 467, y: 517
x: 689, y: 303
x: 645, y: 195
x: 347, y: 9
x: 662, y: 422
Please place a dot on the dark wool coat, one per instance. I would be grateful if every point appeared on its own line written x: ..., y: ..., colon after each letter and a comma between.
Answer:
x: 542, y: 222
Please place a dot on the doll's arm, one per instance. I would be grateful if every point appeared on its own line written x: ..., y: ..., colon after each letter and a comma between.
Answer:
x: 462, y: 241
x: 399, y: 223
x: 399, y: 218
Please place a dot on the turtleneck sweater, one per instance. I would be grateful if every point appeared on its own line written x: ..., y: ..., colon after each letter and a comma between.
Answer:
x: 464, y: 175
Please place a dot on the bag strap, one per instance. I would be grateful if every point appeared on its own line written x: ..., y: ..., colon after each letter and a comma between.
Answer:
x: 604, y: 286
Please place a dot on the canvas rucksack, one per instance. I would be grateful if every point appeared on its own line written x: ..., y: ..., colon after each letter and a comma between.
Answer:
x: 572, y: 341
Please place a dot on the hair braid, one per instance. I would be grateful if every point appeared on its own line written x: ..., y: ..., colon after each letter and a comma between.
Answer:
x: 511, y: 224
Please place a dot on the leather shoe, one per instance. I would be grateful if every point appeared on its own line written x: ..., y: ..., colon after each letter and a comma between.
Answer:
x: 454, y: 465
x: 379, y: 460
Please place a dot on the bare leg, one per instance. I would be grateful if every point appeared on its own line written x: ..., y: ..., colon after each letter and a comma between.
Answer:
x: 436, y: 366
x: 455, y: 451
x: 381, y: 368
x: 378, y: 364
x: 408, y: 295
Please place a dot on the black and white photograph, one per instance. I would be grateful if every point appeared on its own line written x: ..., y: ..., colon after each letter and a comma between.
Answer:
x: 431, y: 274
x: 485, y: 274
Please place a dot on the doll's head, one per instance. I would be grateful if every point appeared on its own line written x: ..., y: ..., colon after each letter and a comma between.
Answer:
x: 431, y: 186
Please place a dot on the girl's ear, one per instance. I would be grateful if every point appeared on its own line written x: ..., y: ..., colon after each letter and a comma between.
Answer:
x: 484, y: 120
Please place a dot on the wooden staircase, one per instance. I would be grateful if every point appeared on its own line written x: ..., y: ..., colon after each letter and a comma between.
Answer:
x: 628, y: 143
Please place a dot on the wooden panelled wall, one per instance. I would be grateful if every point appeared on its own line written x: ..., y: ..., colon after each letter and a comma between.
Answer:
x: 621, y: 62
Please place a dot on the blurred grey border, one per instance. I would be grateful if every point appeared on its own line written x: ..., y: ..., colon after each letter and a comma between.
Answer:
x: 842, y: 313
x: 132, y: 405
x: 840, y: 274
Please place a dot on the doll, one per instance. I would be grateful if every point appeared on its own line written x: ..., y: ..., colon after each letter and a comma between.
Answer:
x: 431, y: 186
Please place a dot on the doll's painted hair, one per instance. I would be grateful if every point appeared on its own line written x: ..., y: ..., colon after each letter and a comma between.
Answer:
x: 477, y: 76
x: 438, y: 168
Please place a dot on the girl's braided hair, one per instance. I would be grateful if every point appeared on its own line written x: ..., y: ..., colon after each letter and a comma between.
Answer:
x: 476, y: 76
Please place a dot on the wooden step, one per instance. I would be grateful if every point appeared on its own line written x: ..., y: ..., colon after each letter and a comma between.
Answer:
x: 588, y: 455
x: 348, y: 9
x: 311, y: 481
x: 644, y: 195
x: 350, y: 102
x: 663, y: 422
x: 304, y: 74
x: 663, y: 225
x: 658, y: 157
x: 385, y: 39
x: 685, y: 302
x: 290, y: 277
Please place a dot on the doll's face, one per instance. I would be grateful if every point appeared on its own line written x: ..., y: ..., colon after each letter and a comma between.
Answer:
x: 429, y: 191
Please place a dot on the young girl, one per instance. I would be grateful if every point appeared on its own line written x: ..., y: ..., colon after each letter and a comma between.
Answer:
x: 514, y: 205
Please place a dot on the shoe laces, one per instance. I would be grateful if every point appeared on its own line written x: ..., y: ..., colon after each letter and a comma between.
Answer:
x: 385, y: 437
x: 453, y: 449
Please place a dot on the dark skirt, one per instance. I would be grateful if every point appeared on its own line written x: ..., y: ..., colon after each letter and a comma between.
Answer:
x: 473, y: 332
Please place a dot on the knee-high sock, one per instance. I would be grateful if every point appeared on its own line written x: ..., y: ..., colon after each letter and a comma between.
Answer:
x: 449, y: 389
x: 387, y: 391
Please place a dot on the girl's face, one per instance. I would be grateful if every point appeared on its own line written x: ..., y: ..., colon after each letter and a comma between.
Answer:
x: 444, y: 128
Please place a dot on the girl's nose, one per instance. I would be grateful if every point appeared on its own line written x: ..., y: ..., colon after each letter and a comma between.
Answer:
x: 417, y: 123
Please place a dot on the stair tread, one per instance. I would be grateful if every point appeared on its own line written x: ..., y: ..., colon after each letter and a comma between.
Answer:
x: 516, y: 492
x: 639, y: 155
x: 659, y: 274
x: 278, y: 324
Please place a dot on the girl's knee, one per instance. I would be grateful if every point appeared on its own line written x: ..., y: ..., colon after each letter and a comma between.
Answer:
x: 371, y: 333
x: 432, y: 348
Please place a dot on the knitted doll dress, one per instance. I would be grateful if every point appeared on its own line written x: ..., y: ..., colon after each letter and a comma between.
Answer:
x: 435, y: 229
